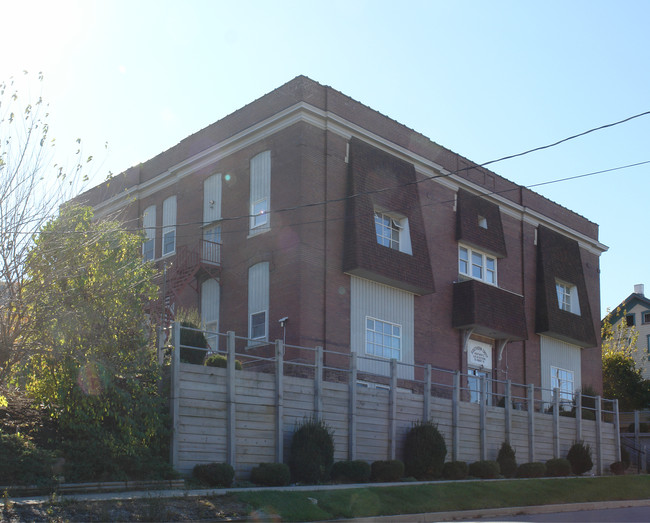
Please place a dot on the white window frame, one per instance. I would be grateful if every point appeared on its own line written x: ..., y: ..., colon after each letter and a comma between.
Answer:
x: 375, y: 345
x: 477, y: 265
x: 560, y: 380
x: 149, y: 225
x: 212, y: 250
x: 258, y: 299
x: 567, y: 297
x: 392, y: 231
x: 169, y: 226
x: 253, y: 325
x: 260, y: 193
x: 210, y: 302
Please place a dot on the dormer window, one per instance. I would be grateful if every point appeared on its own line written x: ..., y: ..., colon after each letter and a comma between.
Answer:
x: 477, y: 265
x: 567, y: 297
x: 393, y: 231
x: 482, y: 222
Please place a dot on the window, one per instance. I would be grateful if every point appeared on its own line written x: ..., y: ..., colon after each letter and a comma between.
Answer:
x: 149, y: 224
x: 258, y: 301
x: 567, y: 297
x: 629, y: 320
x: 393, y: 232
x: 383, y: 339
x: 260, y: 192
x: 169, y: 226
x: 646, y: 317
x: 562, y: 379
x: 477, y: 265
x: 210, y: 293
x: 482, y: 222
x: 212, y: 199
x: 474, y: 385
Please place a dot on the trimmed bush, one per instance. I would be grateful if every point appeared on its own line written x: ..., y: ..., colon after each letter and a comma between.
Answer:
x: 271, y: 474
x: 558, y: 467
x: 506, y: 460
x: 385, y: 471
x: 618, y: 468
x: 579, y: 456
x: 193, y: 344
x: 219, y: 360
x: 214, y: 474
x: 455, y: 470
x: 535, y: 469
x: 424, y: 451
x: 357, y: 471
x: 625, y: 457
x: 312, y: 452
x: 484, y: 469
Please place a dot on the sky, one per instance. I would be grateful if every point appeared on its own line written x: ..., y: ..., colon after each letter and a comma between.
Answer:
x: 484, y: 79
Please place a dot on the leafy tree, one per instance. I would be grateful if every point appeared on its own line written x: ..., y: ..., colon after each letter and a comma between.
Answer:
x: 32, y: 187
x: 622, y: 379
x: 92, y: 361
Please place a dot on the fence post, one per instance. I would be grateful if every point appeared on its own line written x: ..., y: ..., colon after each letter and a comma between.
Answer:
x: 352, y: 408
x: 231, y: 413
x: 482, y: 420
x: 318, y: 385
x: 617, y: 428
x: 175, y: 399
x: 427, y: 393
x: 508, y: 411
x: 637, y: 428
x: 556, y: 423
x: 579, y: 416
x: 599, y: 436
x: 279, y: 401
x: 392, y: 401
x: 531, y: 422
x: 455, y: 415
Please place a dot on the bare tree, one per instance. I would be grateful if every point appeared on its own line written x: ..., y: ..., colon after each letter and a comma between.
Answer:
x: 32, y: 187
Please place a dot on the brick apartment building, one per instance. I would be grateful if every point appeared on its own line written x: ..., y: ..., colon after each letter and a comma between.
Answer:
x: 368, y: 237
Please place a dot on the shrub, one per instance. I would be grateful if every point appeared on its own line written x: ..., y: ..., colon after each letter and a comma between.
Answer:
x: 625, y: 457
x: 558, y: 467
x: 618, y: 468
x: 579, y: 456
x: 535, y: 469
x: 455, y: 470
x: 214, y: 474
x: 506, y: 460
x: 193, y: 343
x: 357, y: 471
x: 23, y: 463
x: 643, y: 427
x: 271, y: 474
x: 424, y: 451
x: 219, y: 360
x: 312, y: 452
x: 385, y: 471
x: 484, y: 469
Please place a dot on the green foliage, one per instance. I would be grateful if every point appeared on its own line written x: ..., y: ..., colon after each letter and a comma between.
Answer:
x: 424, y: 451
x: 92, y: 362
x: 385, y: 471
x: 219, y: 360
x: 558, y: 467
x: 535, y: 469
x: 271, y: 474
x: 579, y: 456
x: 485, y: 469
x: 643, y: 427
x: 356, y: 471
x: 507, y: 460
x: 312, y: 452
x: 193, y: 341
x: 214, y: 474
x: 23, y: 463
x: 618, y: 468
x: 455, y: 470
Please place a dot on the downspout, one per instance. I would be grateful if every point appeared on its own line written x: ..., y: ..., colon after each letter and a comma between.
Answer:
x: 325, y: 217
x: 523, y: 282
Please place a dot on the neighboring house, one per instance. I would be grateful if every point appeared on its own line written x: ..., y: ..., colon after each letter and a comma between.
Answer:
x: 635, y: 312
x: 363, y: 235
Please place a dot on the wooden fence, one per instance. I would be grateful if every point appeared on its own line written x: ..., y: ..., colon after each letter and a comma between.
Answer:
x: 247, y: 417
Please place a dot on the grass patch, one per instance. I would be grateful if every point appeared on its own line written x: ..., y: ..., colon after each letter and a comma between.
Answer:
x: 438, y: 497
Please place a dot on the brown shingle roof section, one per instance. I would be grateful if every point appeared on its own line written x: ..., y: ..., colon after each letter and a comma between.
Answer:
x: 470, y: 209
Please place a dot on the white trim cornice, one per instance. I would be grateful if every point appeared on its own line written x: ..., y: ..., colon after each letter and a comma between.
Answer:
x: 304, y: 112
